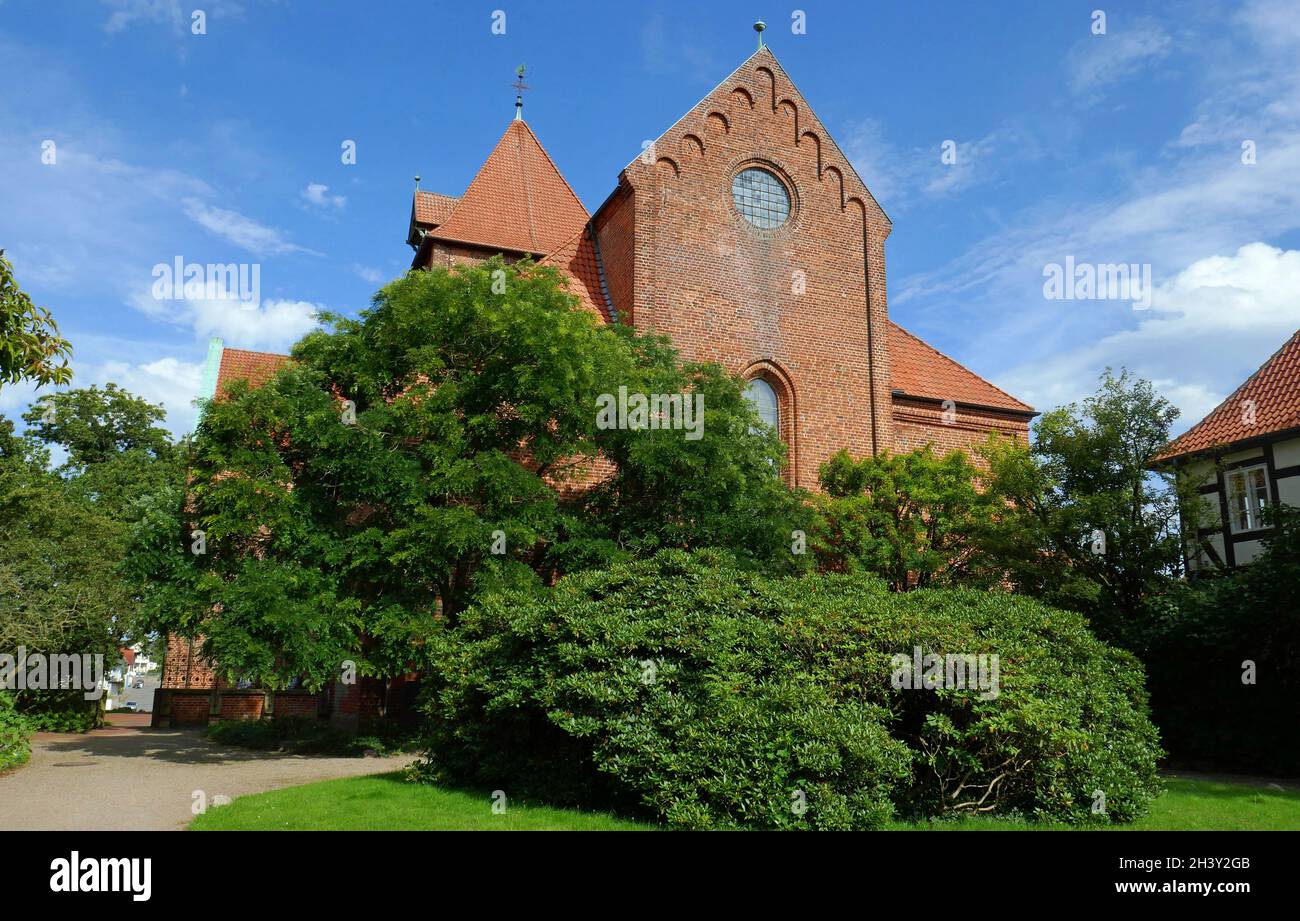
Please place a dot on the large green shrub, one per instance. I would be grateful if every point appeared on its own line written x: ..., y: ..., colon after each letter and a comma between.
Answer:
x: 15, y: 734
x: 713, y: 697
x: 1062, y: 734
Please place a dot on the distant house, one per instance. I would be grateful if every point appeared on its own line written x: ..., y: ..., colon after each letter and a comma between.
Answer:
x: 1245, y: 457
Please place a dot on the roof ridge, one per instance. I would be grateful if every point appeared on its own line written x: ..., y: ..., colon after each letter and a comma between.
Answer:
x: 256, y: 352
x: 1169, y: 449
x: 957, y: 364
x: 507, y: 207
x: 547, y: 155
x: 460, y: 200
x: 693, y: 106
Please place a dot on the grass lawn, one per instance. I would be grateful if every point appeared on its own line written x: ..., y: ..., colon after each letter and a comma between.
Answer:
x: 1187, y: 805
x: 386, y: 802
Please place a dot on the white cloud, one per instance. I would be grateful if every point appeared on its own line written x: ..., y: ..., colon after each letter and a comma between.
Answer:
x: 15, y: 398
x: 898, y: 176
x: 1099, y: 61
x: 168, y: 382
x: 126, y: 13
x: 1209, y: 326
x: 273, y: 325
x: 367, y: 273
x: 317, y: 195
x: 242, y: 231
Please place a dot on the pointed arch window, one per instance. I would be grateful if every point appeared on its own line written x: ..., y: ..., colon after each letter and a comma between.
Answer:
x: 763, y: 396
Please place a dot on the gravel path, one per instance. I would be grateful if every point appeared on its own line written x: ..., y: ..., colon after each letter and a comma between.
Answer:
x: 131, y: 778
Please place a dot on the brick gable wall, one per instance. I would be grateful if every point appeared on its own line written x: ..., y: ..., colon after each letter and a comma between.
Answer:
x: 803, y: 304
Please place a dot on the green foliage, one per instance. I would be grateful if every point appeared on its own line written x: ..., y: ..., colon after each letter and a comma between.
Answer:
x: 1069, y: 716
x: 64, y: 533
x: 661, y: 685
x: 15, y: 734
x: 58, y: 554
x: 475, y: 394
x: 117, y: 452
x: 1209, y: 629
x: 709, y: 697
x: 1088, y: 473
x: 30, y: 345
x: 720, y: 490
x: 61, y: 711
x: 912, y: 519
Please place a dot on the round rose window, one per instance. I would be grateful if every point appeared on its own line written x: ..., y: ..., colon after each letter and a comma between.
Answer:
x: 760, y: 198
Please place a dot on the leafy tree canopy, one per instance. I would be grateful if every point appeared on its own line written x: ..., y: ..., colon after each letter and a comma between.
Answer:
x: 1091, y: 526
x: 30, y: 345
x: 428, y: 449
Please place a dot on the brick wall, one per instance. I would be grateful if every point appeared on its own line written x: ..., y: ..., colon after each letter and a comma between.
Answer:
x: 802, y: 304
x: 187, y: 710
x: 183, y: 667
x: 616, y: 232
x: 195, y: 707
x: 921, y: 422
x: 297, y: 705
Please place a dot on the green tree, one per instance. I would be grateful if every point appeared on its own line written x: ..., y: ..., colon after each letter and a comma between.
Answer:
x: 117, y: 452
x: 30, y: 345
x: 416, y: 455
x: 1090, y: 526
x: 64, y: 531
x: 721, y: 489
x: 913, y: 518
x: 60, y: 591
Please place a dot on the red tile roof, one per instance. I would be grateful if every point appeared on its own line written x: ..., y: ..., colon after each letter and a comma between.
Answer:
x: 433, y: 209
x: 518, y: 201
x: 576, y: 259
x: 920, y: 370
x: 1272, y: 394
x: 255, y: 367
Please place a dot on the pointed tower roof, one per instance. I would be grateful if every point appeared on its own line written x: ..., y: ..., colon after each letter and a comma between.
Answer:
x: 518, y: 202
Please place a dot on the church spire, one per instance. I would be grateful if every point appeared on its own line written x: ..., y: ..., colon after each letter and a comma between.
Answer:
x: 519, y: 86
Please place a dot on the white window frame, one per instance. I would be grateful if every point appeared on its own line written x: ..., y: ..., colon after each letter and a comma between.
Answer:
x: 1257, y: 497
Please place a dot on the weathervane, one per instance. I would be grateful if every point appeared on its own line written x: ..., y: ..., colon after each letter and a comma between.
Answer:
x: 519, y: 86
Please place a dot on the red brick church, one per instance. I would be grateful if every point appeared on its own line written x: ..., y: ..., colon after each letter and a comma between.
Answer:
x: 744, y: 234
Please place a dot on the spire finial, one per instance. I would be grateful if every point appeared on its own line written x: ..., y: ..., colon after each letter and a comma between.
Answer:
x: 417, y: 182
x: 519, y: 86
x: 759, y: 27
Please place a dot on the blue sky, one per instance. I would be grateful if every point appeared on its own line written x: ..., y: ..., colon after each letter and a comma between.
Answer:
x: 1122, y: 147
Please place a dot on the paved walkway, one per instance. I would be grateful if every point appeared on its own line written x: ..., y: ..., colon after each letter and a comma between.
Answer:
x: 132, y: 778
